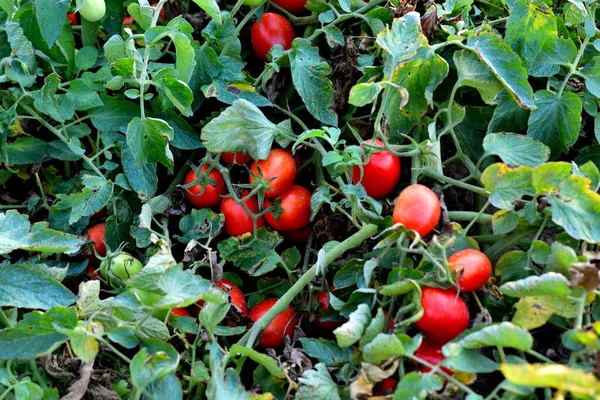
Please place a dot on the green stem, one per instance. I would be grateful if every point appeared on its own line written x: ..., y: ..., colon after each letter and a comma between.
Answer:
x: 4, y: 319
x: 505, y: 243
x: 470, y: 216
x: 573, y: 68
x: 36, y: 374
x: 454, y: 182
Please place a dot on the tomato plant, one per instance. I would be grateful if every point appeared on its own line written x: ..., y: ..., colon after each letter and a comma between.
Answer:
x: 208, y: 195
x: 279, y: 169
x: 295, y: 206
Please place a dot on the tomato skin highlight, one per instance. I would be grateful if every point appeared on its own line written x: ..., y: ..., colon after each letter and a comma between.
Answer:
x: 282, y: 325
x: 279, y: 165
x: 237, y: 220
x: 93, y: 10
x: 380, y: 175
x: 385, y: 388
x: 417, y: 208
x: 445, y: 315
x: 212, y: 193
x: 292, y: 6
x: 295, y: 203
x: 270, y: 30
x: 235, y: 294
x: 472, y: 267
x: 432, y: 353
x: 236, y: 158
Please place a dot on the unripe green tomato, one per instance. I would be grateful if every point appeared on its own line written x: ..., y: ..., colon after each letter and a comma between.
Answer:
x: 121, y: 387
x: 93, y: 10
x: 252, y: 3
x: 123, y: 265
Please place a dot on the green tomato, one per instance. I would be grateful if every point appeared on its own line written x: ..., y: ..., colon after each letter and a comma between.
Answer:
x: 253, y: 3
x: 121, y: 387
x: 93, y: 10
x: 123, y: 265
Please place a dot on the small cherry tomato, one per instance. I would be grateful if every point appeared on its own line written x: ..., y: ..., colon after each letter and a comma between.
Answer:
x: 73, y: 18
x: 235, y: 294
x: 282, y: 325
x: 472, y: 267
x: 93, y: 10
x: 122, y: 265
x: 445, y: 315
x: 385, y: 388
x: 292, y: 6
x: 323, y: 299
x: 430, y: 352
x: 417, y: 208
x: 237, y: 220
x: 212, y: 192
x: 181, y: 312
x: 236, y: 158
x: 270, y: 30
x: 280, y: 167
x: 297, y: 236
x: 128, y: 20
x: 295, y: 203
x: 96, y: 236
x: 380, y: 175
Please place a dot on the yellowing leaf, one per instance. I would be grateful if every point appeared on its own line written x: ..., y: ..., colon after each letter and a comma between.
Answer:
x: 553, y: 376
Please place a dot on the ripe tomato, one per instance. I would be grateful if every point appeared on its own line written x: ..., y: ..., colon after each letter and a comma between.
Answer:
x: 93, y: 10
x: 445, y: 315
x: 385, y: 388
x: 128, y: 20
x: 235, y: 294
x: 96, y: 236
x: 472, y: 267
x: 282, y: 325
x: 270, y: 30
x: 380, y: 175
x: 293, y: 6
x: 432, y: 353
x: 181, y: 312
x: 237, y: 220
x: 212, y: 193
x: 323, y: 299
x: 236, y: 158
x: 73, y: 18
x: 417, y: 208
x: 280, y: 167
x: 297, y: 236
x: 123, y: 265
x: 295, y: 203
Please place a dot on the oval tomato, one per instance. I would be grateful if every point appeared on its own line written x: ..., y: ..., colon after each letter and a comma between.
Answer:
x: 212, y: 192
x: 96, y: 236
x: 93, y: 10
x: 292, y: 6
x: 270, y: 30
x: 235, y: 294
x: 323, y: 299
x: 472, y: 267
x: 445, y: 315
x: 282, y: 325
x: 430, y: 352
x: 280, y: 167
x: 236, y: 158
x: 385, y: 388
x: 181, y: 312
x: 380, y: 175
x: 417, y: 208
x: 237, y: 220
x: 123, y: 265
x: 295, y: 203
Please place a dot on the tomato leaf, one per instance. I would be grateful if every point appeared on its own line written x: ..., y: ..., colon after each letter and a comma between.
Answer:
x: 200, y: 224
x: 326, y: 351
x: 507, y: 184
x: 253, y: 254
x: 550, y: 283
x: 211, y: 8
x: 381, y: 348
x: 554, y: 376
x: 503, y: 334
x: 269, y: 363
x: 555, y: 53
x: 415, y: 385
x: 148, y: 138
x: 461, y: 359
x: 351, y: 332
x: 51, y: 15
x: 516, y: 149
x: 534, y: 311
x: 141, y: 177
x: 316, y: 384
x: 473, y: 73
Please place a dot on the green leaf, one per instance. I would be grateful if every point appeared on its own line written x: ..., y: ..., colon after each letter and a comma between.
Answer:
x: 504, y: 334
x: 591, y: 73
x: 50, y: 15
x: 243, y: 127
x: 152, y: 363
x: 23, y: 48
x: 213, y: 312
x: 181, y: 35
x: 84, y: 346
x: 325, y: 351
x: 141, y: 177
x: 508, y: 116
x: 200, y: 224
x: 185, y: 137
x: 86, y: 57
x: 575, y: 206
x: 57, y: 106
x: 316, y: 384
x: 211, y: 8
x: 309, y: 74
x: 182, y: 287
x: 254, y: 254
x: 516, y: 149
x: 176, y: 91
x: 36, y: 334
x: 382, y: 348
x: 401, y: 41
x: 475, y: 74
x: 507, y: 184
x: 351, y: 332
x: 27, y: 286
x: 86, y: 202
x: 82, y: 96
x: 116, y: 113
x: 461, y: 359
x: 148, y: 141
x: 556, y: 53
x: 504, y: 221
x: 530, y: 24
x: 17, y: 234
x: 555, y: 376
x: 364, y: 93
x: 416, y: 386
x: 504, y: 64
x: 512, y: 266
x: 556, y: 120
x: 269, y: 363
x: 547, y: 284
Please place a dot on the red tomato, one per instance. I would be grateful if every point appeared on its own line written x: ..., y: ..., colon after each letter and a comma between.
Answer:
x: 391, y: 323
x: 432, y: 353
x: 91, y: 272
x: 73, y: 18
x: 280, y: 167
x: 270, y: 30
x: 235, y: 294
x: 472, y: 267
x: 297, y: 236
x: 380, y: 175
x: 182, y: 312
x: 295, y: 203
x: 236, y: 158
x: 417, y: 208
x: 293, y: 6
x: 237, y: 220
x: 385, y: 388
x: 212, y: 193
x: 282, y: 325
x: 445, y: 315
x: 128, y: 20
x: 323, y: 299
x: 96, y: 236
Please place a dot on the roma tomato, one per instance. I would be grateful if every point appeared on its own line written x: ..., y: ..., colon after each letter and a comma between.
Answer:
x: 445, y: 315
x: 96, y: 236
x: 295, y: 203
x: 181, y: 312
x: 73, y: 18
x: 282, y: 325
x: 236, y: 158
x: 237, y: 220
x: 270, y: 30
x: 235, y: 294
x: 380, y: 175
x: 472, y: 268
x: 280, y: 167
x: 122, y: 265
x: 385, y: 388
x: 293, y: 6
x: 212, y: 192
x: 323, y: 299
x: 430, y: 352
x: 93, y: 10
x: 417, y: 208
